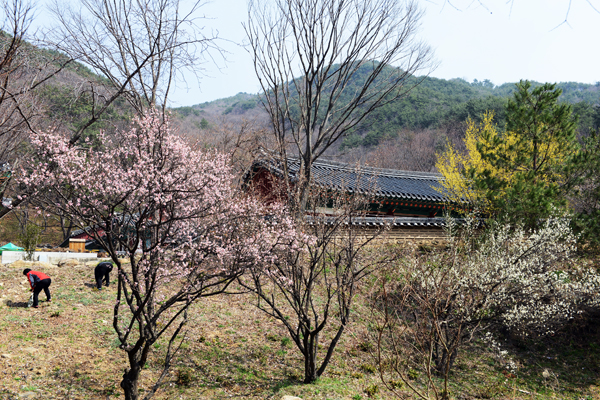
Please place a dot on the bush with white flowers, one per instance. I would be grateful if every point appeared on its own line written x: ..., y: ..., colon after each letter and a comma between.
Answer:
x: 433, y: 303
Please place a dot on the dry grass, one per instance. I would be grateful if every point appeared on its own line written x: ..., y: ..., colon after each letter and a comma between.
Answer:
x: 66, y: 349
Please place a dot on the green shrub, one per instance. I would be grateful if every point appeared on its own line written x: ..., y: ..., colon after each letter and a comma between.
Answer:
x: 372, y: 390
x: 396, y: 384
x: 184, y: 377
x: 413, y: 374
x: 365, y: 346
x: 368, y: 368
x: 29, y: 240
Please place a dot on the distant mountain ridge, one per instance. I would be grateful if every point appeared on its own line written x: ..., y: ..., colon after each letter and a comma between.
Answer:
x: 433, y: 103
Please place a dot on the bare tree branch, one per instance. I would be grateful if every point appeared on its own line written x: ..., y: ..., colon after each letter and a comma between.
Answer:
x: 23, y: 69
x: 141, y: 47
x: 324, y: 65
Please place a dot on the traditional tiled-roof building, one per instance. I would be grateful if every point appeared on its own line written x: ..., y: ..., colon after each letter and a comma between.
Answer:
x: 411, y: 202
x: 393, y: 192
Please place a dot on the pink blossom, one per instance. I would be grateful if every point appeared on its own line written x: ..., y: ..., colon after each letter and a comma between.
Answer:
x: 174, y: 209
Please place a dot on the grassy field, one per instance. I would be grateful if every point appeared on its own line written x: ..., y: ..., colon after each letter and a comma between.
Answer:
x: 66, y: 349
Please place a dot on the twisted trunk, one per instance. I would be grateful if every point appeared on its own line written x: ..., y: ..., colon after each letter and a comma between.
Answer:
x: 129, y: 384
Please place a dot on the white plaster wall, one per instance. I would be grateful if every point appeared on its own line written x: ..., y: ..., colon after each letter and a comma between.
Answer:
x: 49, y: 257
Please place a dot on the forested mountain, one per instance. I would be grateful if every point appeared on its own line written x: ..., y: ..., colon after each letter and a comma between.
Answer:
x: 58, y: 90
x: 433, y: 112
x: 433, y: 103
x: 406, y: 133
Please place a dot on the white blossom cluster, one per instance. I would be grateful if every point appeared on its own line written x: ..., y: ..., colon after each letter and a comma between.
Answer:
x: 527, y: 280
x: 501, y: 355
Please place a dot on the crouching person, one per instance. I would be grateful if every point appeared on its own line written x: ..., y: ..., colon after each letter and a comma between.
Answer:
x: 38, y: 281
x: 102, y: 272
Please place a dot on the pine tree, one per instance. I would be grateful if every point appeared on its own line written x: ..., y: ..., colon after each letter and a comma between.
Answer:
x: 538, y: 143
x: 519, y: 174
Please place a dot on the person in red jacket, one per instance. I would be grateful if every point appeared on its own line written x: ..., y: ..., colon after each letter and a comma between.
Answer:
x: 38, y: 281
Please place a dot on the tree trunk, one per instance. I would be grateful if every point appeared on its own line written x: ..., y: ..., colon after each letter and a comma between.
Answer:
x: 310, y: 369
x: 444, y: 364
x: 304, y: 183
x: 310, y: 355
x: 129, y: 384
x: 330, y: 350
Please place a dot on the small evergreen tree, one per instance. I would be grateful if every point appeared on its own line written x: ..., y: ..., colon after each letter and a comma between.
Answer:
x: 204, y: 124
x: 519, y: 174
x: 539, y: 142
x: 585, y: 199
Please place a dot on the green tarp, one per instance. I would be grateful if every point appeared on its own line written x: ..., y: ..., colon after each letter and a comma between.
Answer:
x: 10, y: 247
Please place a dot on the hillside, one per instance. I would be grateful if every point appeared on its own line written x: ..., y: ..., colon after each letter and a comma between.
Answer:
x: 405, y: 134
x: 66, y: 349
x: 433, y: 104
x: 65, y: 102
x: 433, y: 113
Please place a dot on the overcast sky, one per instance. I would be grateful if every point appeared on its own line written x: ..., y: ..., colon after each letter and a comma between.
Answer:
x: 472, y: 39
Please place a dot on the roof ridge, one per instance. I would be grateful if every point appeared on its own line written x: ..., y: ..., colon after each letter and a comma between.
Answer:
x: 375, y: 170
x: 386, y: 183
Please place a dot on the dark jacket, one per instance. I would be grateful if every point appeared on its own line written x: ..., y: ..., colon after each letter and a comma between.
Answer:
x: 102, y: 268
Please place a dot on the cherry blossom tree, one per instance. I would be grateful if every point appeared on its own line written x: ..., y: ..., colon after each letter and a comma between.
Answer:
x: 175, y: 214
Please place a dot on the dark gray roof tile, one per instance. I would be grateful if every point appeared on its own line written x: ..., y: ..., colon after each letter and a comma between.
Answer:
x: 383, y: 182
